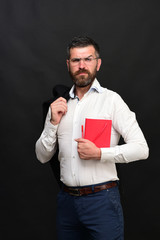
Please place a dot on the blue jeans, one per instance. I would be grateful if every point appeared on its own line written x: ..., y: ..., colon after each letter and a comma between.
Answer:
x: 96, y: 216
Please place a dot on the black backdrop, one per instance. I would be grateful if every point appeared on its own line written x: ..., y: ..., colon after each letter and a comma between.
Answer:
x: 33, y: 39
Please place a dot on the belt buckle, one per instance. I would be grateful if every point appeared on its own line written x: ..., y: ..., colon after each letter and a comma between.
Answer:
x: 74, y: 192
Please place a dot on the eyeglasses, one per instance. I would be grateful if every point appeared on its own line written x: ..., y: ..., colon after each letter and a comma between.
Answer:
x: 88, y: 60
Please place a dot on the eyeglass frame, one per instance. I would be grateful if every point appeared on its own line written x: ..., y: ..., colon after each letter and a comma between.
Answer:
x: 90, y: 58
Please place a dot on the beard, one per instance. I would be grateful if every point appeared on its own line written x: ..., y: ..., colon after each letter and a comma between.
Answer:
x: 83, y: 80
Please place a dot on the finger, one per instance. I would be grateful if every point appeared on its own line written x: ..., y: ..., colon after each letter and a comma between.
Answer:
x: 83, y: 157
x: 59, y: 106
x: 60, y: 99
x: 59, y: 103
x: 80, y: 140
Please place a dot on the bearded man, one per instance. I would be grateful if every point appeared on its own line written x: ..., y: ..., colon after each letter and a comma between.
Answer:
x: 88, y: 204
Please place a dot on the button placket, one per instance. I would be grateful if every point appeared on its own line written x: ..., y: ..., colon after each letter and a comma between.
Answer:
x: 75, y: 134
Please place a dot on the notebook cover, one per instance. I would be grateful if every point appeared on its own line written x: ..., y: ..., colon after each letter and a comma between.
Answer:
x: 98, y: 131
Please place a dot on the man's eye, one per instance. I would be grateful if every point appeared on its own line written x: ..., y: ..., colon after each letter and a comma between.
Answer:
x: 75, y: 60
x: 88, y: 59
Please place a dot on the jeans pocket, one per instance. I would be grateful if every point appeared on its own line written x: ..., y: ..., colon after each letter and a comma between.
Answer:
x: 117, y: 212
x: 114, y: 198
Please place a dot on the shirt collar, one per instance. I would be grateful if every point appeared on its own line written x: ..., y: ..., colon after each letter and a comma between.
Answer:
x: 95, y: 87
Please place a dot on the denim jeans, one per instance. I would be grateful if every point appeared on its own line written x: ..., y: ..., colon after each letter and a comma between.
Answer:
x: 96, y: 216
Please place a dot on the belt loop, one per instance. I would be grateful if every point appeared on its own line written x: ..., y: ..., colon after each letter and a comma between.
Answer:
x: 92, y: 188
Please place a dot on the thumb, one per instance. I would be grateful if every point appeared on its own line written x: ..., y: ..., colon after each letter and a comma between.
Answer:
x: 80, y: 140
x: 77, y: 139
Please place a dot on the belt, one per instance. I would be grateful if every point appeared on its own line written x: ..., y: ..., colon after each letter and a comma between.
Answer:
x: 88, y: 190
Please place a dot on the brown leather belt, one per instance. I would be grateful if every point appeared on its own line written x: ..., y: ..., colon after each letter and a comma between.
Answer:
x: 88, y: 190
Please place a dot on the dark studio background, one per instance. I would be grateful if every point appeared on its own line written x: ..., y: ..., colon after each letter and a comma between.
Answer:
x: 33, y: 39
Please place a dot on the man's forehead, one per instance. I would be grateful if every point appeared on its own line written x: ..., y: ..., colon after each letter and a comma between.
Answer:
x: 79, y: 51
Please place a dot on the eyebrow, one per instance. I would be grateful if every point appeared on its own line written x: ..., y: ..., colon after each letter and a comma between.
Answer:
x: 84, y: 57
x: 89, y: 56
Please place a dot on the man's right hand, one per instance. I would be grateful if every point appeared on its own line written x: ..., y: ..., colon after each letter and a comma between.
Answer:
x: 58, y: 109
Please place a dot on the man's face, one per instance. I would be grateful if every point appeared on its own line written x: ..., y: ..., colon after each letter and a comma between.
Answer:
x: 83, y: 65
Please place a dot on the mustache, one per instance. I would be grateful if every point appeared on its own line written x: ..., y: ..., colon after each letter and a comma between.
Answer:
x: 81, y: 71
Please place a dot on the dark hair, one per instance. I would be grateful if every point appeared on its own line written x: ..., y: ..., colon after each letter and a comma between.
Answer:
x: 82, y: 41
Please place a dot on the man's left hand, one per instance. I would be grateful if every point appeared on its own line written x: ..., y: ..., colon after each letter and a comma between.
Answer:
x: 87, y: 150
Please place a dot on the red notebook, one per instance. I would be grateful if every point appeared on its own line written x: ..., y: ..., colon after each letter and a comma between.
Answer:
x: 98, y: 131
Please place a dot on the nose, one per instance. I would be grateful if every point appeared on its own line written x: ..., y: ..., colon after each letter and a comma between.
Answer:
x: 82, y: 64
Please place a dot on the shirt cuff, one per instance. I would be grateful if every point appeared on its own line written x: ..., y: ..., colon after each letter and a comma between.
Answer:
x: 107, y: 154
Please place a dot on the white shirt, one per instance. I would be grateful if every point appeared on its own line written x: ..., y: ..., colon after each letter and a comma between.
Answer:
x: 99, y: 103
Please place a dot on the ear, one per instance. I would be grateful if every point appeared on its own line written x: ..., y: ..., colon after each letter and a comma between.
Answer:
x: 67, y: 64
x: 99, y: 64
